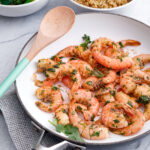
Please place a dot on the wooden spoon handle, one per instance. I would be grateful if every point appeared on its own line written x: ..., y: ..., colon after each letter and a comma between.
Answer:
x: 13, y: 75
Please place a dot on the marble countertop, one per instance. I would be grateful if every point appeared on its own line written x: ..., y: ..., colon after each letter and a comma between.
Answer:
x: 14, y: 32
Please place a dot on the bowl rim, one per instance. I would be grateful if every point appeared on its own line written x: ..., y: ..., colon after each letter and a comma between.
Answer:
x: 20, y: 5
x: 102, y: 9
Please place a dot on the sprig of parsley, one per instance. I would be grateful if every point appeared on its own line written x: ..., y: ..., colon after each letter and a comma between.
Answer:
x: 69, y: 130
x: 86, y: 42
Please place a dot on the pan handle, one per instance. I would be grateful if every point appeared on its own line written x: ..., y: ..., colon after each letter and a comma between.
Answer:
x: 65, y: 145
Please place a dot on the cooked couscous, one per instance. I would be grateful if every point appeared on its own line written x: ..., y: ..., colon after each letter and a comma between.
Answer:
x: 102, y: 3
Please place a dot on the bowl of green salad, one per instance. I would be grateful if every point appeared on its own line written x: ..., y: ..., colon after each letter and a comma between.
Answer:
x: 18, y: 8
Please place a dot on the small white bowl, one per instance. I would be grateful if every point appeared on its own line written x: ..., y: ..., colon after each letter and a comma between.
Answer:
x: 23, y: 9
x: 104, y: 9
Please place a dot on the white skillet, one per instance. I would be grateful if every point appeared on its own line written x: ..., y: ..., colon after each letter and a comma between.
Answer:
x: 95, y: 25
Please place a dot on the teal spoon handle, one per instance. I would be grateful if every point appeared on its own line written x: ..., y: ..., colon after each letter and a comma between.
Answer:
x: 13, y: 75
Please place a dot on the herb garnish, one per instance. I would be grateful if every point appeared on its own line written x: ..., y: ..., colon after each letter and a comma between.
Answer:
x: 130, y: 103
x: 74, y: 72
x: 121, y: 45
x: 51, y: 69
x: 69, y: 130
x: 143, y: 99
x: 108, y: 101
x: 95, y: 73
x: 89, y: 82
x: 86, y: 40
x: 55, y: 88
x: 116, y: 121
x: 96, y: 133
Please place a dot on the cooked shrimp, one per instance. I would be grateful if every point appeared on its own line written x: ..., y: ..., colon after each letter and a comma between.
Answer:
x: 140, y: 61
x: 88, y: 130
x: 89, y: 83
x: 51, y: 95
x: 93, y: 83
x: 65, y: 70
x: 143, y: 75
x: 83, y: 67
x: 128, y: 81
x: 135, y: 124
x: 113, y: 63
x: 87, y: 98
x: 109, y: 78
x: 126, y: 99
x: 143, y: 91
x: 78, y: 52
x: 113, y: 117
x: 105, y: 89
x: 67, y: 81
x: 106, y: 94
x: 119, y: 52
x: 44, y: 64
x: 46, y: 82
x: 128, y: 42
x: 61, y: 114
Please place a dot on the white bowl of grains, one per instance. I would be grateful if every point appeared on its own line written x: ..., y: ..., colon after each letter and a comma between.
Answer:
x: 103, y: 5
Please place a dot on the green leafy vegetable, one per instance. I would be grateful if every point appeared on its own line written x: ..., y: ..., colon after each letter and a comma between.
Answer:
x: 15, y: 2
x: 69, y: 130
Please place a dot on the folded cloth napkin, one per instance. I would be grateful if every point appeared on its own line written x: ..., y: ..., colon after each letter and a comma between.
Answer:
x: 24, y: 135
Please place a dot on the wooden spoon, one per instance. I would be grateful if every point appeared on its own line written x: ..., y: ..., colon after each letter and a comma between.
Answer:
x: 54, y: 25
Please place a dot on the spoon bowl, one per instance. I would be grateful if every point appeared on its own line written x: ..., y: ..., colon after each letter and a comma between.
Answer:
x: 55, y: 24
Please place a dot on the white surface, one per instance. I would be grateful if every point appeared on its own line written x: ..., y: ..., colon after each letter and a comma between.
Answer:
x: 22, y: 10
x: 14, y: 32
x: 95, y: 25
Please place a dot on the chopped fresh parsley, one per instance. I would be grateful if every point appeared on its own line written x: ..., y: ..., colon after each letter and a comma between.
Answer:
x: 56, y: 66
x: 69, y: 130
x: 131, y: 123
x: 89, y: 82
x: 96, y: 133
x: 53, y: 57
x: 121, y: 45
x: 74, y: 79
x: 51, y: 69
x: 143, y: 99
x: 55, y: 88
x: 113, y: 93
x: 79, y: 108
x: 116, y: 121
x: 92, y: 118
x: 74, y: 72
x: 108, y: 101
x: 139, y: 60
x: 96, y: 73
x: 130, y: 103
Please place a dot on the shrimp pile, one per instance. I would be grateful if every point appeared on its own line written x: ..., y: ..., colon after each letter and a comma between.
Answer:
x: 107, y: 88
